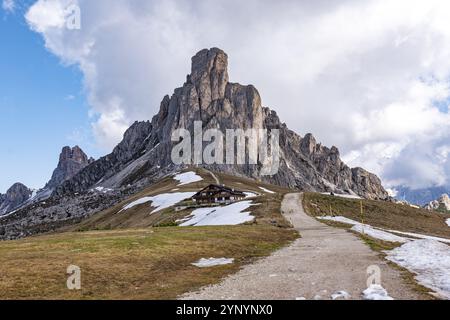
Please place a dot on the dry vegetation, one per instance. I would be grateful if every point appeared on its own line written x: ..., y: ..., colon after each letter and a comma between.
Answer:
x: 130, y: 264
x: 383, y: 215
x: 138, y: 255
x: 380, y: 214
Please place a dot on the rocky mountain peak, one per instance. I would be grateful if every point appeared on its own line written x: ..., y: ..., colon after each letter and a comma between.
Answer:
x: 441, y: 204
x: 209, y: 74
x: 71, y: 161
x: 18, y: 191
x: 209, y: 97
x: 14, y: 197
x: 144, y: 154
x: 444, y: 198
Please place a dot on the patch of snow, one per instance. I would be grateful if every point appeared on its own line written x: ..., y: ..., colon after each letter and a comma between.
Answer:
x: 300, y: 298
x: 340, y: 219
x: 103, y: 189
x: 267, y: 190
x: 154, y: 146
x: 376, y: 292
x: 211, y: 262
x: 187, y: 178
x: 378, y: 234
x: 421, y: 236
x: 8, y: 214
x: 250, y: 195
x: 160, y: 201
x: 392, y: 192
x: 330, y: 185
x: 33, y: 194
x: 386, y: 232
x: 232, y: 214
x: 429, y: 260
x: 340, y: 295
x: 345, y: 196
x: 448, y: 222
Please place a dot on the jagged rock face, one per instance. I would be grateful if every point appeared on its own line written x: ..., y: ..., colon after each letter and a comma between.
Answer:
x: 71, y: 161
x: 17, y: 195
x: 208, y: 96
x: 144, y: 155
x: 441, y: 204
x: 129, y: 149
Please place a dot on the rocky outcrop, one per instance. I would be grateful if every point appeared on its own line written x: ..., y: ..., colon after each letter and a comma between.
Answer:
x: 14, y: 198
x: 129, y: 149
x: 209, y: 97
x: 442, y: 204
x: 71, y: 161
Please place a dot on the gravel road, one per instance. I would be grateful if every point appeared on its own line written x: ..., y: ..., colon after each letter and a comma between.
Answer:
x: 323, y: 261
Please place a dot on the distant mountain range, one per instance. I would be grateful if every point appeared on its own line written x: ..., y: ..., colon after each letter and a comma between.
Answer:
x: 420, y: 197
x: 80, y: 186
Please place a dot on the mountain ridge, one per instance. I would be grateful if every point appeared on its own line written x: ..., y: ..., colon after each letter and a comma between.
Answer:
x: 208, y: 96
x: 71, y: 161
x: 144, y: 154
x: 14, y: 197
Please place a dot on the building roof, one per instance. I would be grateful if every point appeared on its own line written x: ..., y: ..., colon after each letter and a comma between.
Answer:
x: 219, y: 189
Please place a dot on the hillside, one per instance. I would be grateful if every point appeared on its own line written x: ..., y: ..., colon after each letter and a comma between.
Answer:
x: 133, y: 251
x: 382, y: 214
x: 266, y: 199
x: 130, y: 264
x: 144, y: 156
x: 414, y: 241
x: 137, y: 253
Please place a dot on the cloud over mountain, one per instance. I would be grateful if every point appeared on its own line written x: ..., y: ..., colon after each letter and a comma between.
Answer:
x: 370, y: 77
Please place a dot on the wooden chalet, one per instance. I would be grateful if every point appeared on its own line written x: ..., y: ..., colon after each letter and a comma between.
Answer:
x: 217, y: 194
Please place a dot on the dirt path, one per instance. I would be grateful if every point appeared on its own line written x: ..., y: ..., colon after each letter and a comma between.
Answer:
x: 325, y: 260
x: 213, y: 176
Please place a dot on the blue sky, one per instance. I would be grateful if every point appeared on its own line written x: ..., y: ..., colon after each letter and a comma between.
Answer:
x: 42, y: 106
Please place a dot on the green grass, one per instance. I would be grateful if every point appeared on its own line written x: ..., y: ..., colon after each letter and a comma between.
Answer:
x: 152, y: 263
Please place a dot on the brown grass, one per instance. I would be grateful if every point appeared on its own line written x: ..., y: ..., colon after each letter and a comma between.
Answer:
x: 380, y: 214
x: 137, y: 255
x: 383, y: 215
x: 130, y: 264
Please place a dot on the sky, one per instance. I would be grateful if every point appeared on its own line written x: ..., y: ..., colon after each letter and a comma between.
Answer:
x: 370, y: 77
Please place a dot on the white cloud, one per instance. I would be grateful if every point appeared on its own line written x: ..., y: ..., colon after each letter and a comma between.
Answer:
x: 8, y: 5
x: 46, y: 15
x: 370, y: 77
